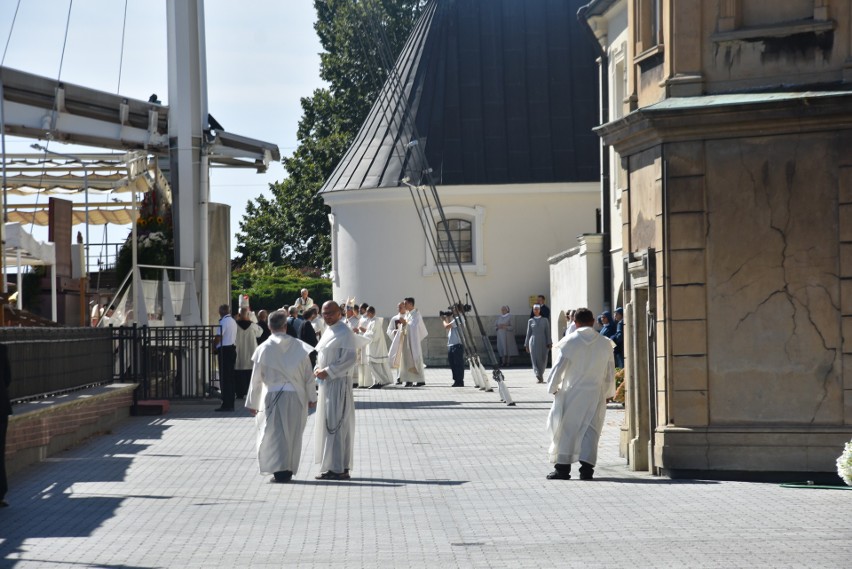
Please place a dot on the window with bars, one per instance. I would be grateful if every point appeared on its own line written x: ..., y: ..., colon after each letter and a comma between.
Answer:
x: 461, y: 232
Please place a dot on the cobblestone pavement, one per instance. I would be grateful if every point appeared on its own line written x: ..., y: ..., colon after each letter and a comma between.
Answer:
x: 443, y: 478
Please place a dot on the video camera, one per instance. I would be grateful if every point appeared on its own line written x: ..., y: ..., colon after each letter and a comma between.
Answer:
x: 449, y: 311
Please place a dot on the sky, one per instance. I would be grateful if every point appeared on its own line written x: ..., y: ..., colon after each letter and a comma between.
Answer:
x: 262, y: 57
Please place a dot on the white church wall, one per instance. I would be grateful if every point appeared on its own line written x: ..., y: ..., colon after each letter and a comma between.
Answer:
x: 576, y: 280
x: 380, y: 253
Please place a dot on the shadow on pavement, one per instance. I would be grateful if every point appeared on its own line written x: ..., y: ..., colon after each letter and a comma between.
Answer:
x: 45, y: 504
x: 379, y: 482
x: 662, y: 481
x: 404, y: 404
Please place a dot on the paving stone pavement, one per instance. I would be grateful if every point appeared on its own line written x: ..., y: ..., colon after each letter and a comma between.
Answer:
x: 443, y: 477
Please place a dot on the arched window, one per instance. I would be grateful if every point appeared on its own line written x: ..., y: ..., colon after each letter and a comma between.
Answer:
x: 461, y: 233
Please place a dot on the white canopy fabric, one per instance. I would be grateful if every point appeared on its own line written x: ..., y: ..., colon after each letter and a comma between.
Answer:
x: 99, y: 214
x: 22, y: 248
x: 100, y: 175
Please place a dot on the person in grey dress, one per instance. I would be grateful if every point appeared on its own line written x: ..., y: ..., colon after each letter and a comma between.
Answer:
x: 537, y: 342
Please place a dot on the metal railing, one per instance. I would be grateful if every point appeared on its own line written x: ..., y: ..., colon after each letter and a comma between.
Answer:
x: 174, y: 362
x: 49, y: 361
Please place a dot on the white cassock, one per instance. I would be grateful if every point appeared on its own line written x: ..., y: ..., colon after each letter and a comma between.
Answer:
x: 582, y: 378
x: 411, y: 368
x: 395, y: 334
x: 377, y: 352
x: 282, y: 385
x: 365, y: 377
x: 335, y: 430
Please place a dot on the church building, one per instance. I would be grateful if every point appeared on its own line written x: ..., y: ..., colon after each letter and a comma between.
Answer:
x: 501, y: 96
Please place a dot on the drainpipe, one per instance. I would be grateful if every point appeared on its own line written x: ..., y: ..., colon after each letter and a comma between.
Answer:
x: 603, y: 88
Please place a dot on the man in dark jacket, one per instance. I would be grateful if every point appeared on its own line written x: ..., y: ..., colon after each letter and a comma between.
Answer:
x: 5, y: 411
x: 294, y: 323
x: 307, y: 334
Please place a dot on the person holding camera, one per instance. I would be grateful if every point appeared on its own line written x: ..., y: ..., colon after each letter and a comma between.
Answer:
x: 455, y: 349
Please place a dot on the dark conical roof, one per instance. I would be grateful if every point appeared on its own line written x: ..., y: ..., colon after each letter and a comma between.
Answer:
x: 500, y: 91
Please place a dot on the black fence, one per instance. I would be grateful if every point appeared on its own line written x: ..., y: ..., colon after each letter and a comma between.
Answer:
x: 175, y: 362
x: 47, y: 361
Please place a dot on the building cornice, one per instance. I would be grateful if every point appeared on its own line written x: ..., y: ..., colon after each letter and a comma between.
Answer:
x: 727, y: 116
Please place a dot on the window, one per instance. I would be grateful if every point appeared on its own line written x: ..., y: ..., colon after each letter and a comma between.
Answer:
x: 456, y: 233
x: 746, y: 19
x: 649, y: 27
x: 465, y: 225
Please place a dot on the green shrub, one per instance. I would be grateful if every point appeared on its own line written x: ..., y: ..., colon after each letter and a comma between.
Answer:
x: 270, y: 287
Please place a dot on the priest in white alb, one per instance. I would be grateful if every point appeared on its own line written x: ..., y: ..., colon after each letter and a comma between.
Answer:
x: 280, y: 393
x: 581, y: 380
x: 376, y: 352
x: 335, y: 371
x: 409, y: 350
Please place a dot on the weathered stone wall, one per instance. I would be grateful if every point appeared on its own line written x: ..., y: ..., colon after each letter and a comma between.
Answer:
x: 774, y: 290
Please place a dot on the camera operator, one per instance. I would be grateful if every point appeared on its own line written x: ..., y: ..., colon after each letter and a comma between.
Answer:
x: 455, y: 349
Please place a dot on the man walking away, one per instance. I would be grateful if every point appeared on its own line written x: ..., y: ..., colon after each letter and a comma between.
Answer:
x: 581, y: 380
x: 279, y: 395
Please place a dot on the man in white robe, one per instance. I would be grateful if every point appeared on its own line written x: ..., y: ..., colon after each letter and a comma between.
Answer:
x: 395, y: 333
x: 411, y: 369
x: 280, y: 393
x: 365, y: 375
x: 377, y: 351
x: 335, y: 370
x: 581, y: 380
x: 303, y: 302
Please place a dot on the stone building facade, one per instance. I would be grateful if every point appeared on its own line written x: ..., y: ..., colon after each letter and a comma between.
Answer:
x: 734, y: 153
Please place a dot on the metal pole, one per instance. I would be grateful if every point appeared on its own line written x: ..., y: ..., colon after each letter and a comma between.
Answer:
x: 5, y: 211
x: 86, y: 183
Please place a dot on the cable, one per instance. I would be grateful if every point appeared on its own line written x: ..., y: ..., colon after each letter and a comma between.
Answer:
x: 121, y: 53
x: 392, y: 94
x: 11, y: 28
x: 65, y: 40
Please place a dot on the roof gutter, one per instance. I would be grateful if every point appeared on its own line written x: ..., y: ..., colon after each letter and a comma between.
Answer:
x: 605, y: 228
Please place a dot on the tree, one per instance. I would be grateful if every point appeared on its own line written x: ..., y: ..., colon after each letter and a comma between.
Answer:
x: 290, y: 226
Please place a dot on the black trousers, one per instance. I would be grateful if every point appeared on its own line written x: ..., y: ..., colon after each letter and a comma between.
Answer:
x: 4, y: 485
x: 455, y: 355
x: 242, y: 379
x: 227, y: 361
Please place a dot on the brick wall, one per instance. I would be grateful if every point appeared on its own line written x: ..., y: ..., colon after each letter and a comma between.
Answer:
x: 42, y: 428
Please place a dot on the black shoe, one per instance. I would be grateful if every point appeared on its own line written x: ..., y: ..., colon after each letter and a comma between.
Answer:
x: 409, y: 384
x: 220, y: 409
x: 333, y: 476
x: 457, y: 384
x: 398, y: 382
x: 421, y: 384
x: 355, y: 385
x: 556, y: 475
x: 281, y: 477
x: 376, y: 386
x: 587, y: 471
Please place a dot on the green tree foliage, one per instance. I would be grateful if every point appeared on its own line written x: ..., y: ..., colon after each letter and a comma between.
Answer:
x: 290, y: 225
x: 271, y: 287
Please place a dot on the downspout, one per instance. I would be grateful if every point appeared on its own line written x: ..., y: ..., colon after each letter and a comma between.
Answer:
x: 603, y: 88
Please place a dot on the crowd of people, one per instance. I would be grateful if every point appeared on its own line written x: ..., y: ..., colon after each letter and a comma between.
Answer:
x: 290, y: 362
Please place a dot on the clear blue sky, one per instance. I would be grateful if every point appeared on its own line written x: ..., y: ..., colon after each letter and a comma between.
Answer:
x: 262, y: 56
